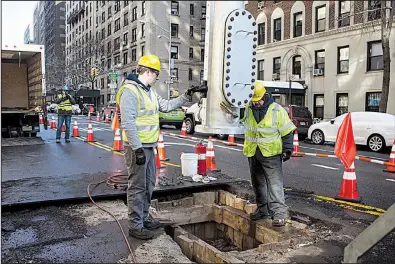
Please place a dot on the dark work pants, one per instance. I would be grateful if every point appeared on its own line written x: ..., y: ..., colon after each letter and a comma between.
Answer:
x: 267, y: 182
x: 67, y: 120
x: 141, y: 184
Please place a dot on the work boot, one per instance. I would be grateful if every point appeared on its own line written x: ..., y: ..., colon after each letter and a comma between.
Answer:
x: 67, y: 140
x: 278, y: 222
x: 152, y: 224
x: 57, y: 140
x: 142, y: 233
x: 258, y: 215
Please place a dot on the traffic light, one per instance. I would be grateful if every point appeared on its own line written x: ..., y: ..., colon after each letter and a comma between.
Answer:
x: 93, y: 72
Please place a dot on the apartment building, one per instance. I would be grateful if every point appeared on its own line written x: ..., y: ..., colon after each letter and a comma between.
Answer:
x: 333, y: 48
x: 27, y: 39
x: 117, y: 33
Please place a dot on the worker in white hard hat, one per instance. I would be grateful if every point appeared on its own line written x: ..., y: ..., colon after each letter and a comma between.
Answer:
x: 268, y: 143
x: 139, y: 107
x: 65, y: 111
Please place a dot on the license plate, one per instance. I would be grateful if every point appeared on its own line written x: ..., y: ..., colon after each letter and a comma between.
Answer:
x: 302, y: 123
x: 27, y: 128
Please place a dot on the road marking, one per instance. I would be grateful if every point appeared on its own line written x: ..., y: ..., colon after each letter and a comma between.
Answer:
x: 179, y: 144
x: 390, y: 180
x: 367, y: 207
x: 216, y: 145
x: 323, y: 166
x: 332, y: 152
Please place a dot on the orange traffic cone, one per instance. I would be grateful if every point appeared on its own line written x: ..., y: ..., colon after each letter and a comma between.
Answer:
x: 296, y: 145
x: 391, y: 160
x: 76, y: 132
x: 210, y: 156
x: 63, y: 128
x: 90, y: 137
x: 157, y: 159
x: 117, y: 146
x: 107, y: 120
x: 115, y: 121
x: 41, y: 122
x: 53, y: 123
x: 98, y: 117
x: 348, y: 188
x: 183, y: 129
x: 161, y: 148
x: 231, y: 140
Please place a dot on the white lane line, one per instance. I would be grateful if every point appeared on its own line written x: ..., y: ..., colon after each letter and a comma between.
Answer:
x: 179, y: 144
x: 323, y: 166
x: 216, y: 145
x: 390, y: 180
x: 317, y: 149
x: 332, y: 152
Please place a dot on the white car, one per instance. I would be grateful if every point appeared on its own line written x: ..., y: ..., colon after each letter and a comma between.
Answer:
x: 372, y: 129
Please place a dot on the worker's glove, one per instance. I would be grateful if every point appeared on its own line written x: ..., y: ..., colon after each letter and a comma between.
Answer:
x: 194, y: 89
x: 286, y: 155
x: 140, y: 156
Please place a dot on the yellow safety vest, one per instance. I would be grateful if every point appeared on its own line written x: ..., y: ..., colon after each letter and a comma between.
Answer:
x: 64, y: 105
x: 147, y: 120
x: 268, y: 132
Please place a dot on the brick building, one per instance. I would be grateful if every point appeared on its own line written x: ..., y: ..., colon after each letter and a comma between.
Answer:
x: 333, y: 47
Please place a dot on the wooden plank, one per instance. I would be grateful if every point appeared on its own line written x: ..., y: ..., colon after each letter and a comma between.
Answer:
x: 210, y: 230
x: 222, y: 197
x: 238, y: 239
x: 266, y: 235
x: 199, y: 248
x: 230, y: 219
x: 248, y: 242
x: 240, y: 203
x: 230, y: 199
x: 218, y: 213
x: 200, y: 230
x: 230, y: 233
x: 186, y: 246
x: 162, y: 206
x: 184, y: 216
x: 250, y: 208
x: 210, y: 252
x: 204, y: 198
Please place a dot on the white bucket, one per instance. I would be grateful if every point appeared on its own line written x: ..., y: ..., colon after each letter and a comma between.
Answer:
x: 189, y: 164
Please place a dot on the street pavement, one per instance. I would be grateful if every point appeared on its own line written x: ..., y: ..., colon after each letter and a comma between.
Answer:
x: 323, y: 176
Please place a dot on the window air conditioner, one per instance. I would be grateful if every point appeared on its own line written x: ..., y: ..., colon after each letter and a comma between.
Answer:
x: 275, y: 76
x: 318, y: 72
x: 173, y: 12
x: 203, y: 16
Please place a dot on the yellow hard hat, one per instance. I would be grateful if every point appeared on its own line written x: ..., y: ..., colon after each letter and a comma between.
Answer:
x: 150, y: 61
x: 259, y: 91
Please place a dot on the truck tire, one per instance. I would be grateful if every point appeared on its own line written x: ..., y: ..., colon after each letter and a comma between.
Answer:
x: 190, y: 124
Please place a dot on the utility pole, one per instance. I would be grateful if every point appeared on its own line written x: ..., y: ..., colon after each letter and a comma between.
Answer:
x: 93, y: 77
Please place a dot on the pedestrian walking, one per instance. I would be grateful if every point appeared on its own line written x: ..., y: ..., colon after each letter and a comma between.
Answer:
x: 65, y: 110
x: 139, y: 107
x: 268, y: 143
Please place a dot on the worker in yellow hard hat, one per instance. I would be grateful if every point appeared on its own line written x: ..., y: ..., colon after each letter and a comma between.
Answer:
x: 268, y: 142
x: 139, y: 106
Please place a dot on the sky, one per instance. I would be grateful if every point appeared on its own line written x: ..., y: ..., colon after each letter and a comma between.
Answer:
x: 15, y: 16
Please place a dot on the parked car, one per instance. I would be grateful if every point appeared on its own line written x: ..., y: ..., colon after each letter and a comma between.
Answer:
x: 174, y: 118
x: 76, y: 109
x: 109, y: 110
x: 375, y: 130
x: 301, y: 117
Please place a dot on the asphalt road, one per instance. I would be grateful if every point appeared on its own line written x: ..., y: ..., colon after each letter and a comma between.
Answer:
x: 321, y: 175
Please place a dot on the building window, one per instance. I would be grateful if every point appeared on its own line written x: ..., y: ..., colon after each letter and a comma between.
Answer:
x: 117, y: 60
x: 201, y: 76
x: 344, y: 13
x: 318, y: 111
x: 191, y: 53
x: 201, y: 54
x: 125, y: 58
x: 126, y: 19
x: 190, y: 75
x: 125, y: 3
x: 109, y: 12
x: 375, y: 56
x: 134, y: 14
x: 108, y: 97
x: 203, y: 11
x: 276, y: 68
x: 191, y: 32
x: 320, y: 20
x: 103, y: 33
x: 109, y: 30
x: 298, y: 19
x: 341, y: 103
x: 297, y: 65
x: 261, y: 69
x: 102, y: 99
x: 320, y: 60
x: 102, y: 83
x: 103, y: 17
x: 103, y: 3
x: 109, y: 64
x: 374, y: 7
x: 277, y: 29
x: 372, y: 101
x: 118, y: 24
x: 191, y: 9
x: 174, y: 52
x: 174, y: 30
x: 117, y: 6
x: 174, y: 73
x: 342, y: 59
x: 174, y: 8
x: 134, y: 35
x: 109, y: 47
x: 143, y: 30
x: 125, y: 39
x: 134, y: 55
x: 143, y: 8
x: 261, y: 33
x: 117, y: 44
x: 142, y: 50
x: 203, y: 34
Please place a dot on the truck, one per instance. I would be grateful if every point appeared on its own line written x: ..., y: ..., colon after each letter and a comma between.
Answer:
x: 23, y: 90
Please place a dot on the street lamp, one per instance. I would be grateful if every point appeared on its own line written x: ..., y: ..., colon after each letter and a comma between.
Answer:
x: 169, y: 39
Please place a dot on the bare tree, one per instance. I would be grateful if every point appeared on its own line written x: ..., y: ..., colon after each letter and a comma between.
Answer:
x: 379, y: 10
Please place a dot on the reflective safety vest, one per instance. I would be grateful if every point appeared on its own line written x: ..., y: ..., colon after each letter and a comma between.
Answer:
x: 147, y: 120
x: 64, y: 105
x: 268, y: 132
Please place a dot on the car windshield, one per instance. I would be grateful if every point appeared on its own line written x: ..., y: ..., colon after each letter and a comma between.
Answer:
x: 300, y: 112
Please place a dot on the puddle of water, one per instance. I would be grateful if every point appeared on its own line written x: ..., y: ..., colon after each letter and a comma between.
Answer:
x: 19, y: 237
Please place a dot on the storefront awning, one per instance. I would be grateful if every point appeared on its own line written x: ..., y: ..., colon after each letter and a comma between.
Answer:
x: 88, y: 93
